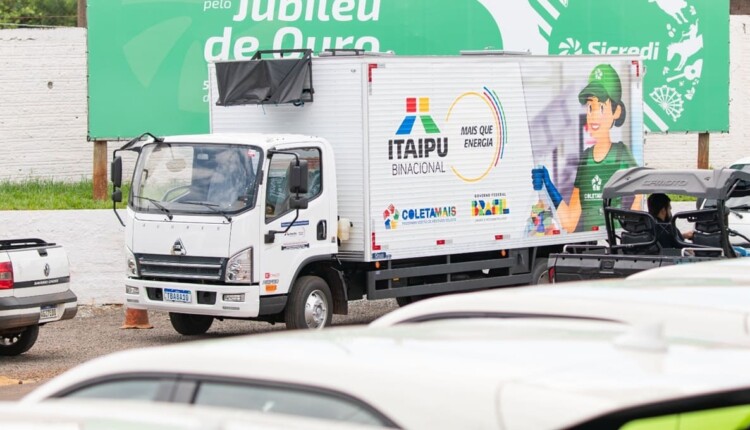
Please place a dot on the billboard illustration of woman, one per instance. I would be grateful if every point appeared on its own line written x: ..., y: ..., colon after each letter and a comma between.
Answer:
x: 605, y: 110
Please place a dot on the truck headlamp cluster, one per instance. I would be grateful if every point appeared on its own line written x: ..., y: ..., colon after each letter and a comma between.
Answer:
x: 132, y: 267
x: 240, y: 267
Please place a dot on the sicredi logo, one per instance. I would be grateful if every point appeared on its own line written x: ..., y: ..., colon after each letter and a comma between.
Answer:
x: 571, y: 46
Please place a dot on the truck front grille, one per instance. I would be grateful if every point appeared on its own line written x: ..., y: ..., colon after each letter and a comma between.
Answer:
x: 181, y: 268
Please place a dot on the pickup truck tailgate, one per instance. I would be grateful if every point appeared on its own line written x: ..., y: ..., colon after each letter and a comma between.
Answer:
x: 39, y: 270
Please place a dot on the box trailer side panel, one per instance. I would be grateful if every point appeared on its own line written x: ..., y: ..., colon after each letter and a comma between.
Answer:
x: 450, y: 158
x: 435, y: 154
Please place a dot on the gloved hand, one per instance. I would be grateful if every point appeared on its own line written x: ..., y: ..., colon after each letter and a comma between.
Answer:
x: 540, y: 177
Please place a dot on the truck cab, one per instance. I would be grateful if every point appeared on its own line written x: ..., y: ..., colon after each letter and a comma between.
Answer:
x: 215, y: 222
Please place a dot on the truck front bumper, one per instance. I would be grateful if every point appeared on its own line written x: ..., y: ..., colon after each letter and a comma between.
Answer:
x: 231, y: 301
x: 19, y: 312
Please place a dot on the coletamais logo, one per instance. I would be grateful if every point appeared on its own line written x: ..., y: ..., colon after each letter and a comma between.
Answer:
x: 393, y: 217
x: 596, y: 183
x: 682, y: 43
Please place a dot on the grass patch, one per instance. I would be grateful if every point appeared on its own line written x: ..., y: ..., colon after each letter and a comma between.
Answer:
x: 681, y: 198
x: 41, y: 194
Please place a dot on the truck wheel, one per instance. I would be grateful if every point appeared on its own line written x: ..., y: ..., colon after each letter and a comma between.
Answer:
x: 310, y: 304
x: 190, y: 325
x: 540, y: 275
x: 18, y: 343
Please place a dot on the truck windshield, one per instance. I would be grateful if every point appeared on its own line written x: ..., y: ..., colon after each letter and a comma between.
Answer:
x: 198, y: 178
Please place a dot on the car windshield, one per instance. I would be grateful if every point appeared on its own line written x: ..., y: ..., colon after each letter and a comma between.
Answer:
x: 200, y: 178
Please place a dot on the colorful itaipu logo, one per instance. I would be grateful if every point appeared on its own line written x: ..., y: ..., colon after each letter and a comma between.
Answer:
x: 424, y: 152
x: 424, y: 110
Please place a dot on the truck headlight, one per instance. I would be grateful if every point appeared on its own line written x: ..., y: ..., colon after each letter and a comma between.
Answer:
x: 240, y: 267
x: 131, y: 268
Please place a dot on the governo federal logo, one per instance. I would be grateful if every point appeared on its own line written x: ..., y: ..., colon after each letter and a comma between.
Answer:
x: 667, y: 34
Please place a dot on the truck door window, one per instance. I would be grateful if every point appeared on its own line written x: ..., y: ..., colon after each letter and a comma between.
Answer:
x: 277, y: 190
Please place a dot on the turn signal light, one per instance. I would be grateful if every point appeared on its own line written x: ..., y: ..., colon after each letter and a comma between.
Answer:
x: 6, y: 275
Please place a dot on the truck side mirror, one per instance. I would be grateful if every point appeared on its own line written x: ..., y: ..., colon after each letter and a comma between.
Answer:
x: 297, y: 202
x: 117, y: 195
x: 117, y: 172
x: 298, y: 177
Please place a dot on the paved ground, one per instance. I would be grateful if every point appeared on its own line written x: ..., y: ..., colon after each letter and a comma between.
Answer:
x: 96, y: 331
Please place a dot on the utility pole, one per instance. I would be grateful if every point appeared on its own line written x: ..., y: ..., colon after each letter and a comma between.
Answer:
x: 703, y: 150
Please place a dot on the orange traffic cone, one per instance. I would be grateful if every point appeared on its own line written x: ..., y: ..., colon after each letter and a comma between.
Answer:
x: 136, y: 318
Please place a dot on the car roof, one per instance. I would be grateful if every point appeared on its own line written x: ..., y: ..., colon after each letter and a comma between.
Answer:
x: 461, y: 368
x: 94, y: 414
x: 742, y: 161
x: 734, y: 271
x: 712, y: 310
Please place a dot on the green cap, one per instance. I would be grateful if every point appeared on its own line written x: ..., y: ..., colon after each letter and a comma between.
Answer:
x: 604, y: 83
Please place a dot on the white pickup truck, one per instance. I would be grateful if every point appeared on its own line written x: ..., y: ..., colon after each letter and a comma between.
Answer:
x: 34, y: 290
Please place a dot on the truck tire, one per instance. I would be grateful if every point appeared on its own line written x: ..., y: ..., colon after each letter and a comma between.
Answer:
x: 18, y: 343
x: 539, y: 274
x: 310, y: 304
x: 190, y: 325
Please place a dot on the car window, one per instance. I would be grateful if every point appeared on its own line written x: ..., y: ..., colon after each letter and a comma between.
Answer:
x: 288, y: 401
x: 125, y: 389
x: 730, y: 418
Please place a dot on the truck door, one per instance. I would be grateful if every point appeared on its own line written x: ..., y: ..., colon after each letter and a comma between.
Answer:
x: 307, y: 236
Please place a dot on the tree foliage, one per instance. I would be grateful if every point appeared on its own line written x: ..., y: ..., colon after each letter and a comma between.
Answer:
x: 38, y: 12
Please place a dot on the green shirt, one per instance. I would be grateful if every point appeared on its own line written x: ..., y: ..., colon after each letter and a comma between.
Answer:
x: 592, y: 176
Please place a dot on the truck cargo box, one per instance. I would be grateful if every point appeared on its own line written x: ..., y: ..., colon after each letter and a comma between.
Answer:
x: 434, y: 154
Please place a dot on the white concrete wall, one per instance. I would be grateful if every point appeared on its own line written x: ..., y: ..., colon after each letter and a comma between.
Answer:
x: 93, y: 240
x: 43, y: 108
x: 43, y: 104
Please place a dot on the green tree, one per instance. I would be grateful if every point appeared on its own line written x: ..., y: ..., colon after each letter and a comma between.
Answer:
x: 15, y: 13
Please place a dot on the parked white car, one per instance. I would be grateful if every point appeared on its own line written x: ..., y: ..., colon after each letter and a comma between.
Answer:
x: 107, y: 415
x: 732, y: 271
x: 533, y: 373
x: 692, y: 308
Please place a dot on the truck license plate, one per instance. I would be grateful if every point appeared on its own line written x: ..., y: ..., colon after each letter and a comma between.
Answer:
x: 48, y: 312
x: 180, y: 296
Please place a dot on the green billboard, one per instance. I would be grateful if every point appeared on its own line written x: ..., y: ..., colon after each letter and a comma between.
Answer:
x: 147, y: 58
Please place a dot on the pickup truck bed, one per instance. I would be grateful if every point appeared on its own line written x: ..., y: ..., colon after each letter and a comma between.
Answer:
x: 34, y: 290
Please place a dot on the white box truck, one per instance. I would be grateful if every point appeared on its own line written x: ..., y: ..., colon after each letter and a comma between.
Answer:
x: 332, y: 178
